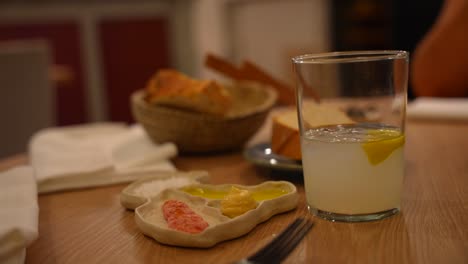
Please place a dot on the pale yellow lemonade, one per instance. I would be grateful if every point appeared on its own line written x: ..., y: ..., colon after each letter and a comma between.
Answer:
x: 353, y: 169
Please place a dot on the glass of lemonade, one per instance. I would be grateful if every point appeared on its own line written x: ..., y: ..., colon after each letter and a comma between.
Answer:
x: 351, y: 109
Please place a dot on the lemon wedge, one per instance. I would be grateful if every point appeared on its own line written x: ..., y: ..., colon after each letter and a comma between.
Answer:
x: 382, y: 144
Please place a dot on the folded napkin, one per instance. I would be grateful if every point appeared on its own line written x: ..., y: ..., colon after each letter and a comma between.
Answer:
x: 19, y: 214
x: 95, y: 154
x: 438, y: 108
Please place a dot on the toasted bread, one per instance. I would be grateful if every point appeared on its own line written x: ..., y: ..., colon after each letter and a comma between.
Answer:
x: 285, y: 139
x: 285, y: 135
x: 172, y: 88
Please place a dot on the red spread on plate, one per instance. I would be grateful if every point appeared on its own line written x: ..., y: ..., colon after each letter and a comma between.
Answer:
x: 180, y: 217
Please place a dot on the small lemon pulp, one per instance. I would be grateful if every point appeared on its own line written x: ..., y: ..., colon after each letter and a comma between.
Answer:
x: 381, y: 144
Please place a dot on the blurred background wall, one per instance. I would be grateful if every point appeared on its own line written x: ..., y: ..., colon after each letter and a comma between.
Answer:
x: 102, y: 51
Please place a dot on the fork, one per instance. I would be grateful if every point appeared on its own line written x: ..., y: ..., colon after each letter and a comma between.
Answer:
x: 279, y: 248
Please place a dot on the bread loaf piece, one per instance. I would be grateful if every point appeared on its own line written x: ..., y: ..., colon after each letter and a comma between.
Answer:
x: 172, y: 88
x: 285, y: 139
x: 285, y: 135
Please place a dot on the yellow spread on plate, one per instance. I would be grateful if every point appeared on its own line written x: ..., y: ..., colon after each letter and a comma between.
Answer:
x: 258, y: 195
x: 205, y: 193
x: 237, y: 202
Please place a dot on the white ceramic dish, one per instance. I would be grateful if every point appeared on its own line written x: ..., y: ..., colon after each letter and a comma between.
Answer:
x: 150, y: 217
x: 136, y: 194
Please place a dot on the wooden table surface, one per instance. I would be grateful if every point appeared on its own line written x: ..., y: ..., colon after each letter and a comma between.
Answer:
x: 90, y: 226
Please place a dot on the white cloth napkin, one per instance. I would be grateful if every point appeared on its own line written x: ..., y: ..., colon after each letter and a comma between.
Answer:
x: 18, y: 214
x: 434, y: 108
x: 95, y: 154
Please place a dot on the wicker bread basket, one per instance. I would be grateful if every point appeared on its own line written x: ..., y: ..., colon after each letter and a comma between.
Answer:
x: 194, y: 132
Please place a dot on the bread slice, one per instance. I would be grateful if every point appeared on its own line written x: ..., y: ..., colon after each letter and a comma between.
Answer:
x: 285, y: 135
x: 172, y: 88
x: 285, y: 139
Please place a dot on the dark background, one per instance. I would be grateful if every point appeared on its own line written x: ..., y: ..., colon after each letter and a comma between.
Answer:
x: 382, y: 24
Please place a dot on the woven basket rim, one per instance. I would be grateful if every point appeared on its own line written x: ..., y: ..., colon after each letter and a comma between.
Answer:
x: 137, y: 97
x: 195, y: 132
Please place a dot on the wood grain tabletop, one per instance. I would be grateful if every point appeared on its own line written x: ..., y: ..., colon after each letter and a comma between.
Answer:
x: 90, y: 226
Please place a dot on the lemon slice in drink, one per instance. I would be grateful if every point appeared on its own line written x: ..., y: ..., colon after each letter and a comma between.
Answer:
x: 382, y: 143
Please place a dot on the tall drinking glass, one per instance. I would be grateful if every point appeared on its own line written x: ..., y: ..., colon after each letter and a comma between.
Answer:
x: 351, y: 109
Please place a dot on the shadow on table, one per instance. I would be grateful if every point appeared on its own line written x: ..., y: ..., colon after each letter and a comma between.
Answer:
x: 281, y: 175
